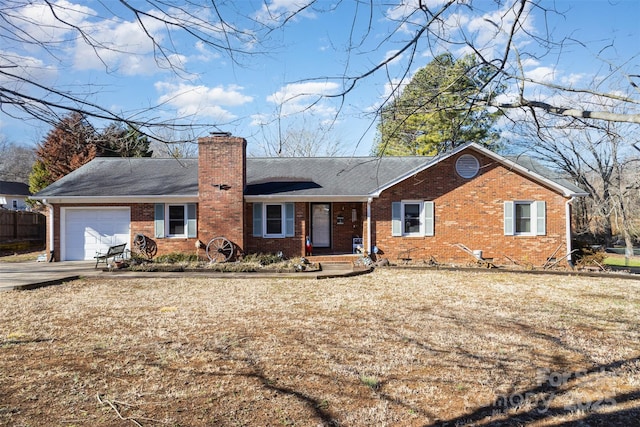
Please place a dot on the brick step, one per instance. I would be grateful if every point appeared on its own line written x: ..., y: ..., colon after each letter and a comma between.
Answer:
x: 336, y: 266
x: 349, y: 258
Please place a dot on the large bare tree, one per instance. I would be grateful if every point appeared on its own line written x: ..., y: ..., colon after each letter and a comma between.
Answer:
x: 16, y: 162
x: 498, y: 32
x: 598, y: 156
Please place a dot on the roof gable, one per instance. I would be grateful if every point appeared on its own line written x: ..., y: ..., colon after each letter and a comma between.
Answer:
x: 522, y: 164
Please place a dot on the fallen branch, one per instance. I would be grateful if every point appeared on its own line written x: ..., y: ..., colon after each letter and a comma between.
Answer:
x: 103, y: 401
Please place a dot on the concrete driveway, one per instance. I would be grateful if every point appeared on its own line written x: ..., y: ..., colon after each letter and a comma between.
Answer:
x: 31, y: 274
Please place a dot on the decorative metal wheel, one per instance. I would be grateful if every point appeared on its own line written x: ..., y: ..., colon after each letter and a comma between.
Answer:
x: 144, y: 246
x: 140, y: 243
x: 219, y: 249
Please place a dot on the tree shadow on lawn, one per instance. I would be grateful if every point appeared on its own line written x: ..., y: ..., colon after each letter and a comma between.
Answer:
x: 519, y: 407
x: 539, y: 399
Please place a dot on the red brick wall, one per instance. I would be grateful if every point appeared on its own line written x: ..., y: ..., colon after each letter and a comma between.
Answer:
x: 470, y: 212
x: 221, y: 161
x: 341, y: 239
x: 142, y: 221
x: 290, y: 246
x: 343, y: 234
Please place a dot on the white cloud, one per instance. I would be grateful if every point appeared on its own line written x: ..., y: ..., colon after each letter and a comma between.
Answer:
x: 200, y: 100
x: 275, y: 11
x: 296, y: 98
x: 26, y: 67
x: 299, y: 92
x: 39, y: 22
x: 573, y: 79
x: 390, y: 54
x: 96, y: 43
x: 204, y: 54
x: 529, y: 62
x: 122, y: 46
x: 541, y: 74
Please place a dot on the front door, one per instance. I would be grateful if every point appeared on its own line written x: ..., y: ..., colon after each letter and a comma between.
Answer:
x: 321, y: 225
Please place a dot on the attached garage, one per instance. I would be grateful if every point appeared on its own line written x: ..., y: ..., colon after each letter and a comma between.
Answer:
x: 85, y: 231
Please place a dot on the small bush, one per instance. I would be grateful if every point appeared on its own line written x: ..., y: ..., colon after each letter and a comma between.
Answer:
x: 591, y: 257
x: 176, y: 257
x: 264, y: 259
x: 177, y: 261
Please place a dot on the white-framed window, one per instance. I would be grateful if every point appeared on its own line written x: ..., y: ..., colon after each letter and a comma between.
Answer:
x: 175, y: 220
x: 176, y: 224
x: 525, y: 218
x: 412, y: 218
x: 273, y: 220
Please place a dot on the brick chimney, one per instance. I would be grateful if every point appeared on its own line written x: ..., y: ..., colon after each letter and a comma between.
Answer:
x: 222, y: 163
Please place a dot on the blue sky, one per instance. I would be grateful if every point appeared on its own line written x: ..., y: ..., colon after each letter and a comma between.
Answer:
x: 296, y: 64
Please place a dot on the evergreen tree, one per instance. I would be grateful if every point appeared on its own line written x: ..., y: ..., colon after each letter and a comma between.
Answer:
x: 438, y: 110
x: 118, y: 141
x: 69, y: 145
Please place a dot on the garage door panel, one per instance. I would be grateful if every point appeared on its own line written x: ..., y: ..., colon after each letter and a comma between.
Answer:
x: 88, y: 231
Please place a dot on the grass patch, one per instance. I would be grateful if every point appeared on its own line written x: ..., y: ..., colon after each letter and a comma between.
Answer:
x: 21, y: 257
x: 372, y: 382
x: 436, y: 347
x: 620, y: 261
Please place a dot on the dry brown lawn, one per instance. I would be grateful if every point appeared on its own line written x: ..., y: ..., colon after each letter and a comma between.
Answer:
x: 392, y: 348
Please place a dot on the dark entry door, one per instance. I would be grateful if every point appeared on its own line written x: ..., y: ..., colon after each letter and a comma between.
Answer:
x: 321, y: 225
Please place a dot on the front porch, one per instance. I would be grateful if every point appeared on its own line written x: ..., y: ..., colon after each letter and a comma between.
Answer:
x: 306, y: 228
x: 335, y: 229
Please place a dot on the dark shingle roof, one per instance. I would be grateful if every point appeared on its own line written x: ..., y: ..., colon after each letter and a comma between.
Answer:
x: 270, y: 177
x: 14, y: 188
x: 325, y: 176
x: 535, y: 166
x: 118, y: 177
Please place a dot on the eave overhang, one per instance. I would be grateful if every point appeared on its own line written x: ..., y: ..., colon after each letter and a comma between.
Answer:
x: 96, y: 200
x: 305, y: 198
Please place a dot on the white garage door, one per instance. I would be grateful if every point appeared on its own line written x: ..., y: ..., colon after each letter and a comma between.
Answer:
x: 87, y: 231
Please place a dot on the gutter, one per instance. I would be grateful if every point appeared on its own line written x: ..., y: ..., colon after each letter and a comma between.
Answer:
x: 567, y: 211
x: 50, y: 229
x: 96, y: 200
x: 369, y: 201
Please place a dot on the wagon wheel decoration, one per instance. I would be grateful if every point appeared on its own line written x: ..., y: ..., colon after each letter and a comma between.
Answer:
x: 219, y: 249
x: 144, y: 246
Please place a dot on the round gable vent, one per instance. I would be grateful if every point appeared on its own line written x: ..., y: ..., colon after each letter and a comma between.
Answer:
x: 467, y: 166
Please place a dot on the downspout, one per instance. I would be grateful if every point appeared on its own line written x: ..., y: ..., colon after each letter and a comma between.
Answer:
x: 50, y: 229
x: 369, y: 200
x: 568, y: 230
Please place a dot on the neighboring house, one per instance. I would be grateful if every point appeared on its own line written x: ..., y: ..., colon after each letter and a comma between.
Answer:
x: 510, y: 209
x: 13, y: 195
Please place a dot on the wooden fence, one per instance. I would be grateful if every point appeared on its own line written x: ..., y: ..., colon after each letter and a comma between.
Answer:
x: 17, y: 226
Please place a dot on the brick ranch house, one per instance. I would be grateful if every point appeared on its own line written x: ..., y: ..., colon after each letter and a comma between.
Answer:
x: 422, y: 206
